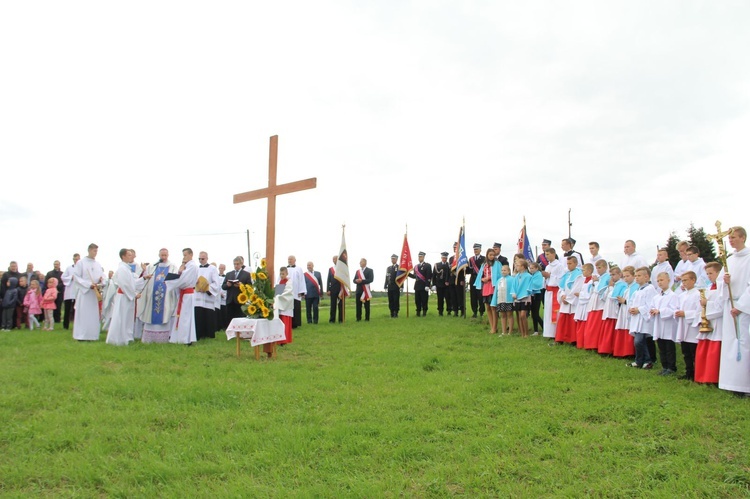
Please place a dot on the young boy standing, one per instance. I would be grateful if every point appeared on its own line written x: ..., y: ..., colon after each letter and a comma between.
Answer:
x: 641, y: 325
x: 662, y: 265
x: 708, y: 352
x: 688, y: 318
x: 595, y: 320
x: 663, y: 307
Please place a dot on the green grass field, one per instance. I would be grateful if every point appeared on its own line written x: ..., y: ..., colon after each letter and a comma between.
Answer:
x: 418, y: 407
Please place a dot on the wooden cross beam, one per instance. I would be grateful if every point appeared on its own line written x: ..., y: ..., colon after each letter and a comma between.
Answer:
x: 270, y: 193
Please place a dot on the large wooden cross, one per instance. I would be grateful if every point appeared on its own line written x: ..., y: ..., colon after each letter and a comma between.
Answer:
x: 270, y: 193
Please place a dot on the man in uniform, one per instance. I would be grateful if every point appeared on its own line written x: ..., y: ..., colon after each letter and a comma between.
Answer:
x: 475, y: 263
x: 394, y: 290
x: 440, y: 277
x: 456, y: 287
x: 500, y: 258
x: 423, y: 277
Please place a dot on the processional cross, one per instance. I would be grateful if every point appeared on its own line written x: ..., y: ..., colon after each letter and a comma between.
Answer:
x: 719, y: 238
x: 270, y: 193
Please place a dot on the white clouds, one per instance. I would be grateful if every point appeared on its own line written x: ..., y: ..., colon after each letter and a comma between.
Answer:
x: 146, y: 117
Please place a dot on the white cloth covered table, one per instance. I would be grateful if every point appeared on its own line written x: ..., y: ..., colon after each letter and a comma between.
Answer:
x: 258, y: 331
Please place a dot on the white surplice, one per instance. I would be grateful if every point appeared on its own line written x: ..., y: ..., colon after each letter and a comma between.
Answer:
x: 87, y: 326
x: 121, y: 328
x: 184, y: 325
x: 734, y: 375
x: 556, y: 270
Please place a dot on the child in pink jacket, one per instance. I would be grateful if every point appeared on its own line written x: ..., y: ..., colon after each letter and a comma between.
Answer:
x: 32, y: 303
x: 48, y: 304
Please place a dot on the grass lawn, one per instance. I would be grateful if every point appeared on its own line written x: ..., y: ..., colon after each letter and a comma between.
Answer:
x: 417, y: 407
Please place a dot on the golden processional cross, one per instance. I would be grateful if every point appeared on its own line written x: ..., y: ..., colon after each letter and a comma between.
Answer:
x: 270, y: 193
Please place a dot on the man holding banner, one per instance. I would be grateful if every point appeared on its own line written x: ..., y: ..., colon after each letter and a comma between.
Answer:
x: 393, y: 287
x: 423, y: 277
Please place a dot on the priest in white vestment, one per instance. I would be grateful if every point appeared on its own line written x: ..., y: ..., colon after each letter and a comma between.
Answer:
x: 184, y: 283
x: 156, y: 306
x: 88, y: 277
x: 122, y: 326
x: 734, y: 375
x: 299, y: 288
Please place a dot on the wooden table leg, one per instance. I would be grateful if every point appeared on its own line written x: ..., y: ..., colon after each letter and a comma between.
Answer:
x: 257, y: 352
x: 237, y: 335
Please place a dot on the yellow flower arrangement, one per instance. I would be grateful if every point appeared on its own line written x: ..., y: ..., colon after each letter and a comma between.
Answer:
x: 257, y: 300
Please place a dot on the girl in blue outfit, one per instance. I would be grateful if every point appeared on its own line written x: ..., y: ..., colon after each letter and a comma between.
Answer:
x: 503, y: 299
x: 486, y: 279
x: 522, y: 295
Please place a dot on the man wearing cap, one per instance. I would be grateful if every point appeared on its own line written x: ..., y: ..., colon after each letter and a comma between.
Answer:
x: 440, y: 277
x: 567, y: 246
x: 543, y: 262
x: 423, y: 277
x: 456, y: 287
x: 394, y: 290
x: 500, y: 258
x: 475, y: 263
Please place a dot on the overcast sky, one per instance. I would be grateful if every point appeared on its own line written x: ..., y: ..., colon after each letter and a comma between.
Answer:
x: 132, y: 124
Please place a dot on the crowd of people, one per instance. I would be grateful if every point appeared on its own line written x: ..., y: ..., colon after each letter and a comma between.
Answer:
x: 627, y: 309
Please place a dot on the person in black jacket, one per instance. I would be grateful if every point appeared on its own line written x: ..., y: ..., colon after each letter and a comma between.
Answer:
x: 394, y: 290
x: 333, y: 289
x: 423, y: 279
x: 440, y: 280
x: 475, y: 263
x: 363, y: 277
x: 232, y: 286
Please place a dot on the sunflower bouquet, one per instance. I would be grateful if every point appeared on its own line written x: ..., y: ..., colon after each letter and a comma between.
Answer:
x: 257, y: 299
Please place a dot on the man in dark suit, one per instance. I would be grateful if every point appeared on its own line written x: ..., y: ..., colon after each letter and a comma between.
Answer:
x: 394, y: 290
x: 232, y: 286
x: 475, y: 263
x: 440, y: 277
x: 456, y: 287
x: 567, y: 246
x: 333, y: 288
x: 314, y: 288
x: 362, y: 278
x: 423, y: 278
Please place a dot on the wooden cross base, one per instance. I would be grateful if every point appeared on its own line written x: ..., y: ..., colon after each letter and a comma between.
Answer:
x: 271, y: 346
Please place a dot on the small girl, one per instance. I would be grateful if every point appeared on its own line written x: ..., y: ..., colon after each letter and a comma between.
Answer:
x: 503, y: 299
x: 485, y: 282
x: 48, y: 304
x: 522, y: 295
x: 32, y: 304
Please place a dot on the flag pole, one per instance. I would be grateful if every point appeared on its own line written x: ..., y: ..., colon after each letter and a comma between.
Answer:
x: 343, y: 292
x: 463, y: 288
x: 406, y: 233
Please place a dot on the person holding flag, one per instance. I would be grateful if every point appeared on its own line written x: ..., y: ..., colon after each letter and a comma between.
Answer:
x: 457, y: 287
x: 393, y: 287
x: 338, y: 280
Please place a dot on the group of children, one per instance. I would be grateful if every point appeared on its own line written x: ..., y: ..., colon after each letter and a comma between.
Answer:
x: 630, y: 312
x: 504, y: 293
x: 28, y: 304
